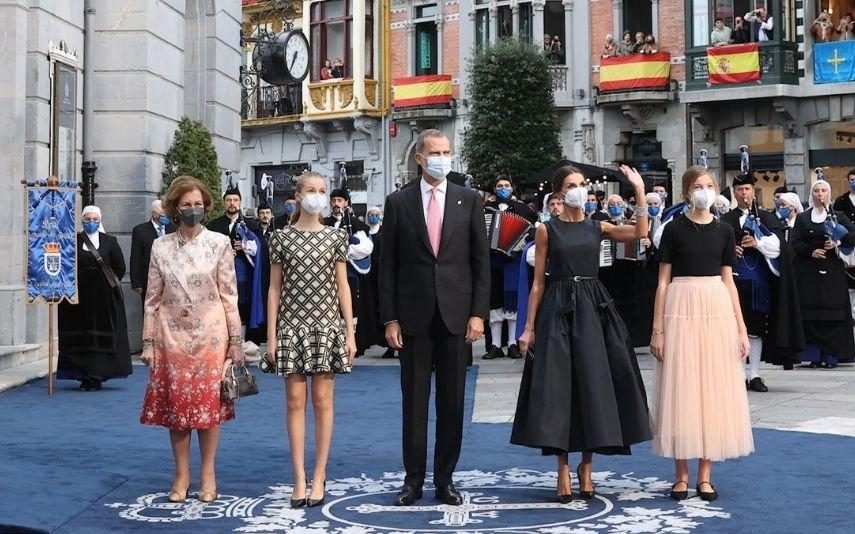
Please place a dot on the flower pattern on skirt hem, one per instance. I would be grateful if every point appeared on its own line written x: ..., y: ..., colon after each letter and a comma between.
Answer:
x: 309, y: 351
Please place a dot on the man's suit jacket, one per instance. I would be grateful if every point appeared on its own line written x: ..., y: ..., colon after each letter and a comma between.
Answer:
x: 413, y: 281
x: 142, y: 237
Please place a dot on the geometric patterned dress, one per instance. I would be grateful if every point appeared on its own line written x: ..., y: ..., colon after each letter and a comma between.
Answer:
x: 309, y: 329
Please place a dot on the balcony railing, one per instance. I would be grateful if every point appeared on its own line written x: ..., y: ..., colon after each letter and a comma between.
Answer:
x: 778, y: 65
x: 559, y: 78
x: 274, y: 101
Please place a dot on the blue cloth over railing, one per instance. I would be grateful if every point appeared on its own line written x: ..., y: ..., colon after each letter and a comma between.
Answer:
x: 834, y: 62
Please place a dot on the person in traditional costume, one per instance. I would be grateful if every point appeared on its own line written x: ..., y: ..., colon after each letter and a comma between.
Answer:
x: 764, y: 280
x: 789, y: 207
x: 359, y: 250
x: 582, y: 391
x: 191, y: 332
x: 823, y: 242
x: 250, y: 256
x: 93, y: 334
x: 846, y: 204
x: 371, y: 331
x: 504, y: 274
x: 699, y: 340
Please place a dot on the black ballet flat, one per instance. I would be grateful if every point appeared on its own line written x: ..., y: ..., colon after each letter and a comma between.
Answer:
x: 565, y: 499
x: 587, y: 495
x: 680, y: 495
x: 707, y: 496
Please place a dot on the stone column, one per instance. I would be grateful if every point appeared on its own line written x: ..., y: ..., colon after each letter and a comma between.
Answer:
x: 570, y: 59
x: 515, y: 18
x: 617, y: 18
x: 13, y: 102
x: 494, y: 22
x: 440, y: 22
x: 411, y: 47
x: 654, y: 17
x: 537, y: 22
x: 796, y: 165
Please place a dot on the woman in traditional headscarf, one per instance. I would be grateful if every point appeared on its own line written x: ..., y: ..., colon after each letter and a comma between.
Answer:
x: 820, y: 240
x: 93, y: 334
x: 789, y: 206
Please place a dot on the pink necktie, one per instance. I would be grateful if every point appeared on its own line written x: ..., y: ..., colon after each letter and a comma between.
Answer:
x: 434, y: 222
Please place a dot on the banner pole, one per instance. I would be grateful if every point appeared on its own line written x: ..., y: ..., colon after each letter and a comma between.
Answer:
x: 51, y: 346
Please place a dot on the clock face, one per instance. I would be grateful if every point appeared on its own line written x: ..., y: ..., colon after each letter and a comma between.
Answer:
x: 297, y: 56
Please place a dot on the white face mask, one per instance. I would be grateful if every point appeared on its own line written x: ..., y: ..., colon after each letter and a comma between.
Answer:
x: 438, y: 166
x: 702, y: 199
x: 576, y: 197
x: 314, y: 203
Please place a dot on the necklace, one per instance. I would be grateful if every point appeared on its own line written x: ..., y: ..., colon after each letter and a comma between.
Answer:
x: 183, y: 241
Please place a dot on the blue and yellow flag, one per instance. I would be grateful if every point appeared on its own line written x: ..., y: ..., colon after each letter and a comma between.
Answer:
x: 834, y: 62
x: 51, y: 242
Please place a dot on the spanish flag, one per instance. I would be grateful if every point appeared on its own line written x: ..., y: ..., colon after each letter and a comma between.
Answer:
x: 627, y: 73
x: 422, y: 90
x: 738, y: 63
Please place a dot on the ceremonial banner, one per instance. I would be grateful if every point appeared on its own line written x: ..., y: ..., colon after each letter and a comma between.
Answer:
x: 738, y: 63
x: 834, y: 62
x: 627, y: 73
x: 51, y: 242
x: 422, y: 90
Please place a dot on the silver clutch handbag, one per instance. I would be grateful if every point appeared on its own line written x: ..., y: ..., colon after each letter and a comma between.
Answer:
x: 237, y: 384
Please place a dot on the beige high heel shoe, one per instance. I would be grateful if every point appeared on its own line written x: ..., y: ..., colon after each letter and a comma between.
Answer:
x: 208, y: 496
x: 177, y: 496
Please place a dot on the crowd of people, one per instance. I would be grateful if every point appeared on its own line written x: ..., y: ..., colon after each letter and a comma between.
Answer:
x: 641, y: 44
x: 420, y: 278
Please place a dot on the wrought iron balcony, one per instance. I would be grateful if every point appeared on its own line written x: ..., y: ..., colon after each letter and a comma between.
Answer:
x: 778, y: 65
x: 274, y: 101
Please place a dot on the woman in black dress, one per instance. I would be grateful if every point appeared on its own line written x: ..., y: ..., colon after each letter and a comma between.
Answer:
x: 582, y: 391
x: 93, y: 334
x: 823, y: 291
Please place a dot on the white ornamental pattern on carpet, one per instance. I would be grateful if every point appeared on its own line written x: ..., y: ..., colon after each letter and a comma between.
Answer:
x: 514, y: 500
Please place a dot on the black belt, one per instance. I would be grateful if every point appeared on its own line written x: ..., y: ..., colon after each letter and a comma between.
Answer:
x: 573, y: 278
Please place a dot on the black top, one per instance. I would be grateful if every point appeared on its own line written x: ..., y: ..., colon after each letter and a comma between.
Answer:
x: 697, y: 249
x: 574, y: 248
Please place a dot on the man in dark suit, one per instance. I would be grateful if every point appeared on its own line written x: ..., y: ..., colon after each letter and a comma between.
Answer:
x: 142, y: 237
x: 434, y: 298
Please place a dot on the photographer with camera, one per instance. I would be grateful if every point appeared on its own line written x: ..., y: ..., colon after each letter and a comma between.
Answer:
x: 846, y: 28
x: 762, y: 25
x: 822, y: 28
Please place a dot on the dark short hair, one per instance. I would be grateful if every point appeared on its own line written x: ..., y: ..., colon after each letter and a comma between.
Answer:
x: 719, y: 19
x: 178, y: 188
x: 850, y: 173
x: 264, y: 207
x: 503, y: 178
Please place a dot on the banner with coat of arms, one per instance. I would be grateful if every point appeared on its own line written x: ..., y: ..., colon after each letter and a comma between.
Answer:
x: 739, y: 63
x: 51, y: 241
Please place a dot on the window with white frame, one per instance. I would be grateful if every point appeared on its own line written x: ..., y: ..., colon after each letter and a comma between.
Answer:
x: 507, y: 22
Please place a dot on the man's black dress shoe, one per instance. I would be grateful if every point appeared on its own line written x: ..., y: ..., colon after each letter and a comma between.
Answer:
x: 757, y: 384
x: 493, y: 352
x: 514, y: 352
x: 449, y: 495
x: 407, y: 496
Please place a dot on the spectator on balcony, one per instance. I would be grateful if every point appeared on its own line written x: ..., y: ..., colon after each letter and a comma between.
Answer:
x: 762, y: 25
x: 610, y: 49
x: 822, y: 28
x: 720, y: 35
x: 547, y: 43
x: 338, y: 68
x: 740, y: 33
x: 556, y: 51
x: 327, y: 70
x: 625, y: 47
x: 650, y: 46
x: 638, y: 45
x: 846, y: 28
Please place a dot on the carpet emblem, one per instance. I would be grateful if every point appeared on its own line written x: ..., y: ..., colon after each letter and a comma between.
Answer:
x: 513, y: 500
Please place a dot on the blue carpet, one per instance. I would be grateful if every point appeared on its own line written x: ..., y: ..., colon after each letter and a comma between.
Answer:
x: 81, y: 462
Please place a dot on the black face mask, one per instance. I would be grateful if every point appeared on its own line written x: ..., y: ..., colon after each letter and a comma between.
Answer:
x: 192, y: 216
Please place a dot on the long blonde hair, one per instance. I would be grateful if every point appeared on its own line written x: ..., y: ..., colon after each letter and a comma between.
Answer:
x: 301, y: 183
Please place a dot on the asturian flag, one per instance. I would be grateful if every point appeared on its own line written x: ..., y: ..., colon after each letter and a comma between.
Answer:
x: 834, y: 62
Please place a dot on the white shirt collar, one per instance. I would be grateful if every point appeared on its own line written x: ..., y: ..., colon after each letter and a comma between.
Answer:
x: 426, y: 187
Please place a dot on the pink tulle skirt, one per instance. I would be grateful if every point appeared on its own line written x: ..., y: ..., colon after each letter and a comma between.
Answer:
x: 701, y: 405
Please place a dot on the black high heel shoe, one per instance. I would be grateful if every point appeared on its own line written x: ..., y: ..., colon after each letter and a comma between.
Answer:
x: 587, y: 495
x: 680, y: 495
x: 298, y: 503
x: 311, y: 503
x: 565, y: 498
x: 708, y: 496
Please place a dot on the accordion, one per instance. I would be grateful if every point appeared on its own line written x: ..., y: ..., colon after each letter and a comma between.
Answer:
x: 506, y: 231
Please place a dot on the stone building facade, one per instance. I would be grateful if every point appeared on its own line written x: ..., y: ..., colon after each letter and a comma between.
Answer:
x: 153, y: 62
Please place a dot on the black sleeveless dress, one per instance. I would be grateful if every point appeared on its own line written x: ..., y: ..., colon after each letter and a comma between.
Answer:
x: 583, y: 390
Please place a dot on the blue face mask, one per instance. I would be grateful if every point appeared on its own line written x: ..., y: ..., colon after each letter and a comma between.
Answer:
x: 590, y: 207
x: 373, y: 220
x: 90, y: 227
x: 503, y: 194
x: 783, y: 212
x: 616, y: 211
x: 653, y: 211
x: 852, y: 186
x: 163, y: 220
x: 290, y: 208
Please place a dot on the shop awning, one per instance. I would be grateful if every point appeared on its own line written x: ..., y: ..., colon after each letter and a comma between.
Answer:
x: 592, y: 172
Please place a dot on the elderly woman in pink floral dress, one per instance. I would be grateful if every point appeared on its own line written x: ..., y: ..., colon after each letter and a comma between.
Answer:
x: 191, y: 328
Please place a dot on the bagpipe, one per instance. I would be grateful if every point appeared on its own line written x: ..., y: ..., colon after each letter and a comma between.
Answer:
x: 506, y: 231
x: 755, y: 228
x: 835, y: 231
